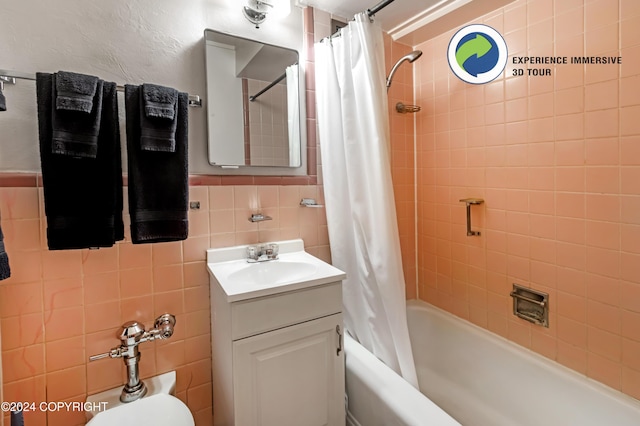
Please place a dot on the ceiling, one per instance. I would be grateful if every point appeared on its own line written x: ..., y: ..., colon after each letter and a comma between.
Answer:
x: 412, y: 21
x: 389, y: 17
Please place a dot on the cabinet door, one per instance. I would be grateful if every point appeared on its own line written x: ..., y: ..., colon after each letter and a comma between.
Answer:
x: 291, y: 376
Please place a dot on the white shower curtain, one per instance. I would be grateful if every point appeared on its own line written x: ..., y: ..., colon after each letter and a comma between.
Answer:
x: 354, y: 139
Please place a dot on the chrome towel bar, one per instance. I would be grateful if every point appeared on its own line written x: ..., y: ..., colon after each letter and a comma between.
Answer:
x: 9, y: 77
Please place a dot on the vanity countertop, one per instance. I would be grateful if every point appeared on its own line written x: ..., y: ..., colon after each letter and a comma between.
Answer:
x: 294, y: 269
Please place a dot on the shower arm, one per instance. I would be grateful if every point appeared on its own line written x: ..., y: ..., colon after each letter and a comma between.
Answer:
x: 393, y: 71
x: 411, y: 57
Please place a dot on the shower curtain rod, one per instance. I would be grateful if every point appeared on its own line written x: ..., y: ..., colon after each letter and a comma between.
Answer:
x: 370, y: 13
x: 273, y: 83
x: 9, y: 77
x: 378, y: 7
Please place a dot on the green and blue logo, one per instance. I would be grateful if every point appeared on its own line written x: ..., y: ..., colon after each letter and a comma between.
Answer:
x: 477, y: 54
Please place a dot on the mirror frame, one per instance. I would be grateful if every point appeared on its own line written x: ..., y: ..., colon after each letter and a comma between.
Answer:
x: 249, y: 170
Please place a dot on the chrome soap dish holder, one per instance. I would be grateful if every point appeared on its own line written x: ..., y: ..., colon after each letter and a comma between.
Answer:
x: 259, y: 217
x: 310, y: 202
x: 407, y: 109
x: 530, y: 305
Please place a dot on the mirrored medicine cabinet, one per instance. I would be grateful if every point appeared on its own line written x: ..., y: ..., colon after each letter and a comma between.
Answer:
x: 256, y: 114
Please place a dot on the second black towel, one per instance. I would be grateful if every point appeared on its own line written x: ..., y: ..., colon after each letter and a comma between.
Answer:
x: 158, y: 180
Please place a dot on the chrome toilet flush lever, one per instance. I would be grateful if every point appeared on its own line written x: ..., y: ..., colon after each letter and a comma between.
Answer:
x: 131, y: 335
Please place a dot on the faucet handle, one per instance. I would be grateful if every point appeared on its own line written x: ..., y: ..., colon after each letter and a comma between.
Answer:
x: 253, y: 252
x: 272, y: 250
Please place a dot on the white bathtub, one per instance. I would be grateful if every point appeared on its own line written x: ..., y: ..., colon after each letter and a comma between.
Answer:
x: 377, y: 396
x: 480, y: 379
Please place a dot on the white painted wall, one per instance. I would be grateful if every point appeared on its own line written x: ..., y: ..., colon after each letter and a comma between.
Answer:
x: 132, y: 41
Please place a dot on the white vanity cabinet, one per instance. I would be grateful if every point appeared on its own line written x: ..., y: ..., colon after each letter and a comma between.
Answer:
x: 277, y: 355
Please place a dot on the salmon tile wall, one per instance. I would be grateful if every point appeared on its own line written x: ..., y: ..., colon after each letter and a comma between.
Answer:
x: 557, y: 161
x: 60, y: 307
x: 268, y: 125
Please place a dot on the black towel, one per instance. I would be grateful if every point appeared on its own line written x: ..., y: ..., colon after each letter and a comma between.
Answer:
x: 82, y: 196
x: 17, y: 419
x: 158, y: 181
x: 159, y: 101
x: 158, y: 118
x: 3, y: 102
x: 76, y: 92
x: 75, y: 132
x: 5, y: 271
x: 110, y: 137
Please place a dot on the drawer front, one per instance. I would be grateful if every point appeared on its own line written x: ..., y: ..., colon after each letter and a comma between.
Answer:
x: 255, y: 316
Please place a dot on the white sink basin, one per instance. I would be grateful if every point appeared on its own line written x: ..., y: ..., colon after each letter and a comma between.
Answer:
x: 295, y: 269
x: 157, y: 410
x: 273, y: 272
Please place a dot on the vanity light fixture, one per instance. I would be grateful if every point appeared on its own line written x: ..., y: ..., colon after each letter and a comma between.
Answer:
x: 256, y: 10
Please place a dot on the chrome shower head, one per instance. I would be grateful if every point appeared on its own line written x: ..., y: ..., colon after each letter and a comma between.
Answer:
x: 413, y: 55
x: 408, y: 57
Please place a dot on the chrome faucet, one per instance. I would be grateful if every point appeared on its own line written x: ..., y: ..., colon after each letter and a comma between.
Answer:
x: 262, y: 253
x: 131, y: 335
